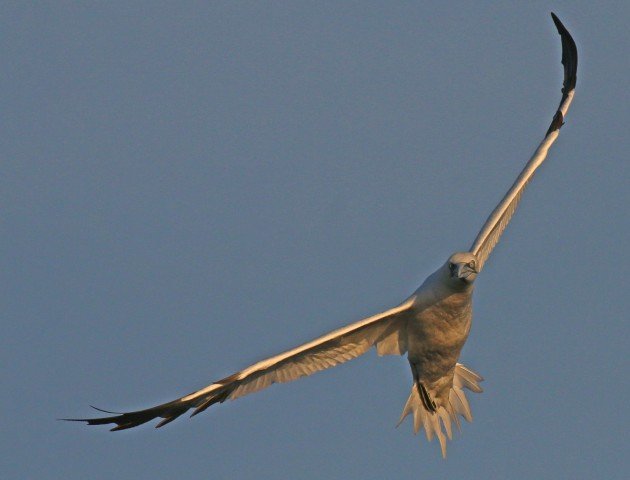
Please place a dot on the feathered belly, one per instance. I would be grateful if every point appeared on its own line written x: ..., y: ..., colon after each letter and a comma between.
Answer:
x: 435, y: 339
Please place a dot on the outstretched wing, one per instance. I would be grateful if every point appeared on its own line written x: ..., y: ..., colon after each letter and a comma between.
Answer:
x: 500, y: 217
x: 385, y: 330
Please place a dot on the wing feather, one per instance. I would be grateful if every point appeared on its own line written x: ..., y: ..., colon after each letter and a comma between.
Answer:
x: 500, y: 217
x: 324, y: 352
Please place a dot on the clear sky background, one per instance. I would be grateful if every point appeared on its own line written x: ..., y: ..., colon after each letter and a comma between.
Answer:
x: 188, y: 187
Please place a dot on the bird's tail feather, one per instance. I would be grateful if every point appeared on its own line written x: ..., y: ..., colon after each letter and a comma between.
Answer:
x: 439, y: 423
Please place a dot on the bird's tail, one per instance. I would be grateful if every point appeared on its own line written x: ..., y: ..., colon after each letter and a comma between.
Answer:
x: 439, y: 422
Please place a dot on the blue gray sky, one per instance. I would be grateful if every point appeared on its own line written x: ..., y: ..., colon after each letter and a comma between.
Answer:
x: 188, y: 187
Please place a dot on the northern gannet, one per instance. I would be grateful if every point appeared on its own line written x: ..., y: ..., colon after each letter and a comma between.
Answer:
x: 431, y: 326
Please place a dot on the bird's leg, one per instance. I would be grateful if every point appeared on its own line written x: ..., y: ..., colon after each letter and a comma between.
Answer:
x: 427, y: 401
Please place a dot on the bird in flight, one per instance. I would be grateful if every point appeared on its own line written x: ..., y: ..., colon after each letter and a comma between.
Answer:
x: 431, y: 326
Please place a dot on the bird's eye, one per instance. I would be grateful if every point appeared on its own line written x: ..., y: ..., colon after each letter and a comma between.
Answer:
x: 451, y: 267
x: 472, y: 264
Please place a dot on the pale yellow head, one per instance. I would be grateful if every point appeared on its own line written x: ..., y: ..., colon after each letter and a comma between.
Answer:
x: 462, y: 267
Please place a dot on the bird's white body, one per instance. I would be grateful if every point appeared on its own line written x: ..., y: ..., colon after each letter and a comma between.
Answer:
x: 431, y: 326
x: 438, y: 327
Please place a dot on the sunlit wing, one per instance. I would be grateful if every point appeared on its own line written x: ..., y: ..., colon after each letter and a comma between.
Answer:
x: 385, y: 331
x: 500, y: 217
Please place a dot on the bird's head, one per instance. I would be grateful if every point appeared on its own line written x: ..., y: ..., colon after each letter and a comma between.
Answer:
x: 462, y: 268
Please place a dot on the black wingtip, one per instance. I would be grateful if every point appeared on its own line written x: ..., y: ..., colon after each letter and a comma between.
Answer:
x: 562, y: 30
x: 105, y: 411
x: 556, y: 20
x: 570, y: 62
x: 569, y: 55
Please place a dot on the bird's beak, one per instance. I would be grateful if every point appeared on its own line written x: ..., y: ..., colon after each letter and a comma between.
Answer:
x: 464, y: 271
x: 462, y: 268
